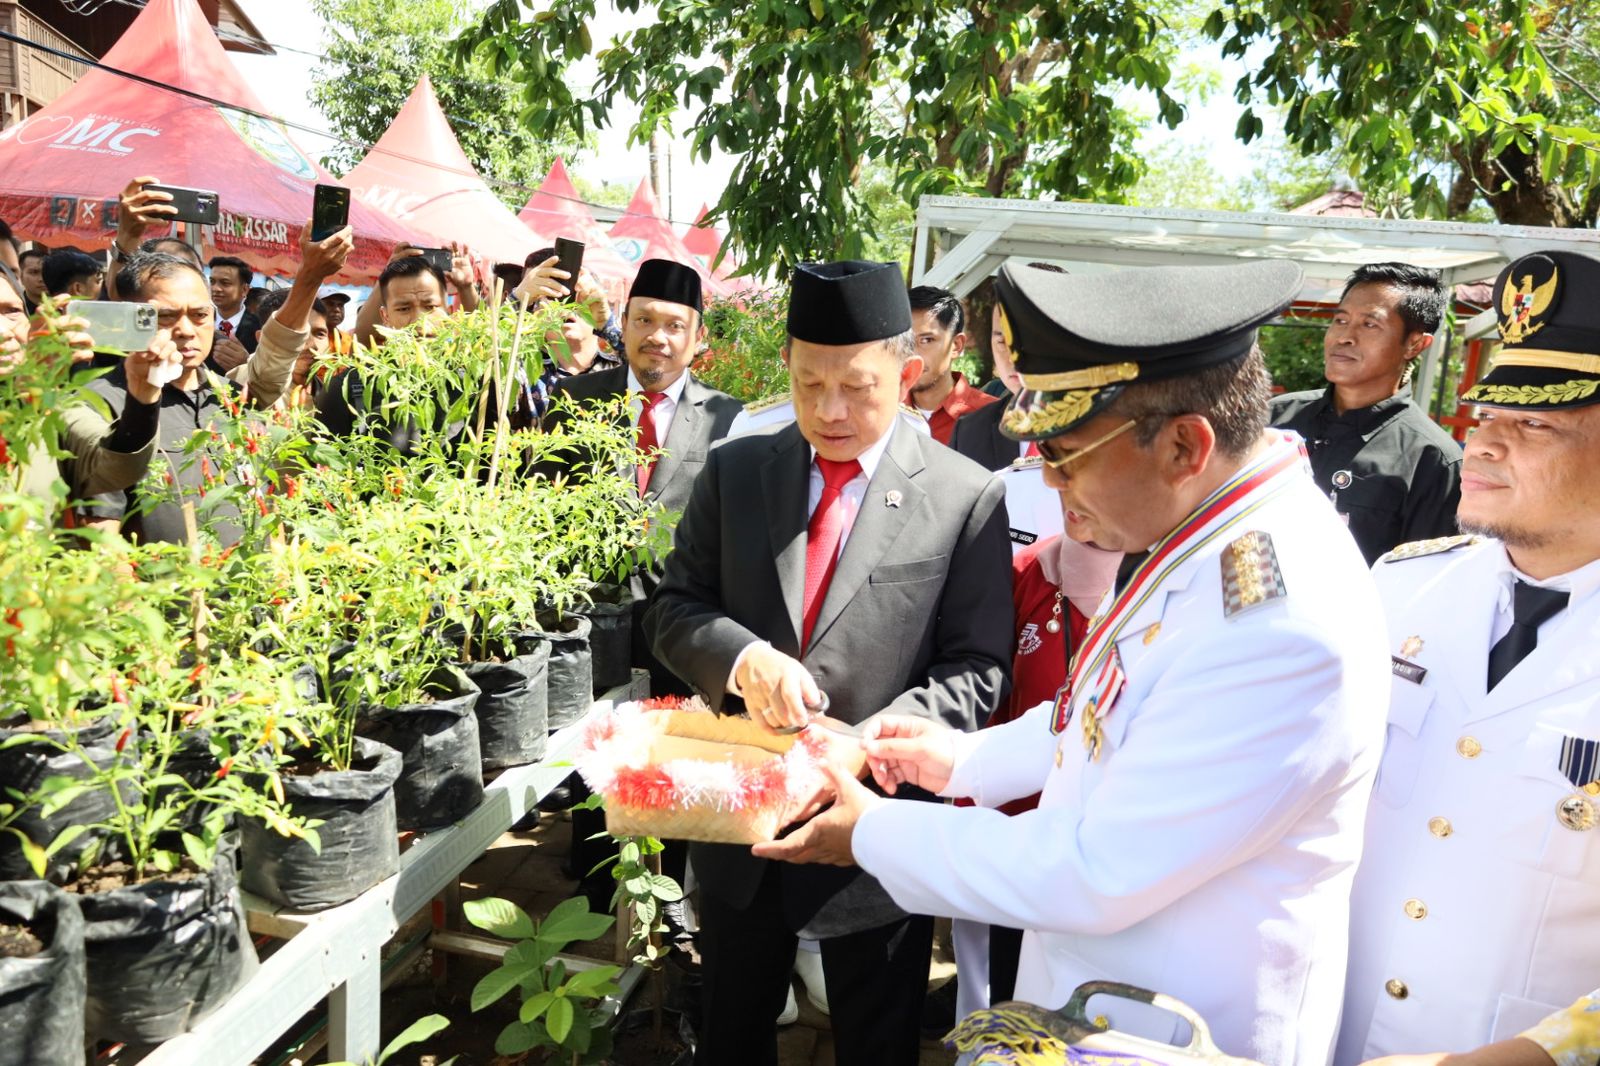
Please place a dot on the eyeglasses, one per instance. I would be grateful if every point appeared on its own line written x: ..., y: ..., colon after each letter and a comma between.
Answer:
x: 1045, y: 447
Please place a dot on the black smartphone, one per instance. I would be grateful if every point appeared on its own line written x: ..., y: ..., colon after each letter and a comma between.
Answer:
x: 571, y: 260
x: 330, y: 211
x: 194, y: 205
x: 438, y: 258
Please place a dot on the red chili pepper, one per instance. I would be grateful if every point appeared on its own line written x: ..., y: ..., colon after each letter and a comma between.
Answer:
x: 122, y: 741
x: 205, y: 467
x: 5, y: 453
x: 261, y: 505
x: 167, y: 477
x: 118, y: 693
x: 222, y: 771
x: 291, y: 487
x: 252, y: 447
x: 194, y: 675
x: 329, y: 505
x: 192, y: 717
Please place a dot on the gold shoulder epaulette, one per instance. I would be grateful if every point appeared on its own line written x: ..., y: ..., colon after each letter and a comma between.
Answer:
x: 1028, y: 462
x: 1418, y: 548
x: 1250, y: 574
x: 767, y: 404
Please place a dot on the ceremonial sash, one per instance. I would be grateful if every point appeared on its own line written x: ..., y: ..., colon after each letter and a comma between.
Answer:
x: 1096, y: 672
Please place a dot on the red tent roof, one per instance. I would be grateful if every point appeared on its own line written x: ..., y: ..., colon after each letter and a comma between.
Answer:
x: 642, y: 233
x: 418, y: 174
x: 65, y: 166
x: 705, y: 241
x: 557, y: 210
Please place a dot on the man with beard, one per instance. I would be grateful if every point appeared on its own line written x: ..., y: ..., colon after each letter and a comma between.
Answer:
x: 1476, y: 910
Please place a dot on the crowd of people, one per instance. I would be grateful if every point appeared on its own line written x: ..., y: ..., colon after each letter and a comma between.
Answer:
x: 1286, y: 706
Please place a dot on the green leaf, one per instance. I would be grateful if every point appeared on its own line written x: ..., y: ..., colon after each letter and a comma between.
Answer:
x: 417, y: 1031
x: 492, y: 986
x: 665, y: 888
x: 516, y: 1038
x: 535, y: 1005
x: 500, y: 917
x: 559, y: 1019
x: 592, y: 982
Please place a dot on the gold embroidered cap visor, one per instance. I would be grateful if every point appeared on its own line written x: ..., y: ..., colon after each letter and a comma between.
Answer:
x: 1548, y: 310
x: 1079, y: 341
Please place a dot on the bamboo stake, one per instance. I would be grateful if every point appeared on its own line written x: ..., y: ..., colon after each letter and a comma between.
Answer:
x: 502, y: 425
x: 488, y: 371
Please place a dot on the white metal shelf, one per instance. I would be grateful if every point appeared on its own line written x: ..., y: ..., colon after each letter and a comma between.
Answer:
x: 335, y: 954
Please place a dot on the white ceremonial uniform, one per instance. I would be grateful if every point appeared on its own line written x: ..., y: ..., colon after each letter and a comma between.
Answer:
x: 1208, y: 852
x: 1476, y: 909
x: 1033, y: 508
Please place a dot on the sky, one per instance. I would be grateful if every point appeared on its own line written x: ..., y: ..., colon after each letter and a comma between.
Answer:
x: 283, y: 82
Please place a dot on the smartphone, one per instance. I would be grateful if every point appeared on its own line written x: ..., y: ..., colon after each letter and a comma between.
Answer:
x: 571, y: 255
x: 126, y: 327
x: 439, y: 258
x: 194, y: 205
x: 330, y: 211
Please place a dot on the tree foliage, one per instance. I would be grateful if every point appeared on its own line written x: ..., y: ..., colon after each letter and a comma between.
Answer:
x: 1438, y: 105
x: 1000, y: 97
x: 377, y: 50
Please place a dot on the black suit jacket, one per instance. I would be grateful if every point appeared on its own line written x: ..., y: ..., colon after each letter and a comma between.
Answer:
x: 978, y: 437
x: 917, y: 619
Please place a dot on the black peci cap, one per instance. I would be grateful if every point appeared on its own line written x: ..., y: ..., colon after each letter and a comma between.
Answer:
x: 849, y: 302
x: 1079, y: 339
x: 662, y: 279
x: 1548, y: 304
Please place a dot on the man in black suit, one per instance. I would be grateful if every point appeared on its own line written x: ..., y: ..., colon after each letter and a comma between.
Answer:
x: 678, y: 419
x: 837, y: 553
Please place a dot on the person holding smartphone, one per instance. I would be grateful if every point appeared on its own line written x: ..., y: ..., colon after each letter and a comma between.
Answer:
x: 105, y: 456
x: 196, y: 399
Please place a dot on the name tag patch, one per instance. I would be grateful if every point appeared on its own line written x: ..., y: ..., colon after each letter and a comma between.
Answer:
x: 1407, y: 669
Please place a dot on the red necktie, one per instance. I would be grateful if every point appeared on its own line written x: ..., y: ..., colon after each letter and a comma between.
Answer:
x: 647, y: 439
x: 822, y: 540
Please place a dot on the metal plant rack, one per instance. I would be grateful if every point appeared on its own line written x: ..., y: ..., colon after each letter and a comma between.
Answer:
x: 336, y: 954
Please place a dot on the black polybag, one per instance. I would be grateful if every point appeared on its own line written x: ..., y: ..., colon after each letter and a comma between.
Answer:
x: 163, y: 954
x: 610, y: 639
x: 359, y: 843
x: 441, y: 773
x: 41, y: 998
x: 571, y: 673
x: 513, y: 704
x: 24, y: 767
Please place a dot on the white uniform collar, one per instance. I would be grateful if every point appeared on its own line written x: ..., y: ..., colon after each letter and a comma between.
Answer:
x: 1580, y: 584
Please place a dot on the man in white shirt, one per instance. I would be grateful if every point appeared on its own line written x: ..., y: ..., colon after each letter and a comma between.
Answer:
x: 1476, y: 909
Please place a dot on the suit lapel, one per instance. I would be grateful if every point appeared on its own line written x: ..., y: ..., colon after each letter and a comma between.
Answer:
x: 785, y: 484
x: 681, y: 438
x: 1004, y: 448
x: 877, y: 527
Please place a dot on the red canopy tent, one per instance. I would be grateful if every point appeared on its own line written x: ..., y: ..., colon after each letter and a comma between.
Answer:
x: 65, y: 166
x: 418, y: 174
x: 557, y: 210
x: 705, y: 241
x: 642, y: 233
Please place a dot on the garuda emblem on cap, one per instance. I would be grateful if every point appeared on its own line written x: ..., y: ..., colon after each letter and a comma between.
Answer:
x: 1524, y: 303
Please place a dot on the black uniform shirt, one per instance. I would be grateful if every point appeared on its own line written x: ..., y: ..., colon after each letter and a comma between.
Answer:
x: 1390, y: 470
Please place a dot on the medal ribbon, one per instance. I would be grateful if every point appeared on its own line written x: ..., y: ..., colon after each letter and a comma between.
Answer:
x: 1219, y: 513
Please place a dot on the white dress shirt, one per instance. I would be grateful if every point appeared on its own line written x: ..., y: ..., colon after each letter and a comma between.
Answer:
x: 1579, y: 584
x: 661, y: 414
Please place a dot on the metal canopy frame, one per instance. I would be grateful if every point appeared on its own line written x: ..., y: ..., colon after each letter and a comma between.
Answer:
x: 961, y: 241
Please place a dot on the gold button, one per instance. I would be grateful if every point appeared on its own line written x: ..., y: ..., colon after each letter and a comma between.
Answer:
x: 1416, y: 910
x: 1469, y: 748
x: 1101, y: 1022
x: 1440, y: 827
x: 1396, y: 988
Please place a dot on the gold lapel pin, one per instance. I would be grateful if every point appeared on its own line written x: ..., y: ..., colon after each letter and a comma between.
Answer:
x: 1410, y: 647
